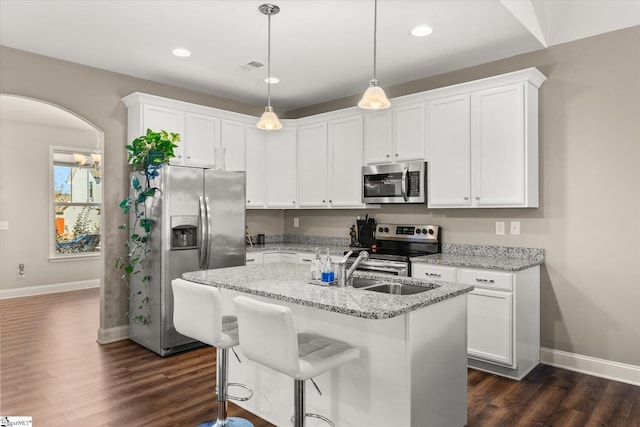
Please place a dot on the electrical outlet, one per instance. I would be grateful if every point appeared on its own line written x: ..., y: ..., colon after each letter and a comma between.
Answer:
x: 515, y: 227
x: 296, y: 222
x: 21, y: 272
x: 499, y: 227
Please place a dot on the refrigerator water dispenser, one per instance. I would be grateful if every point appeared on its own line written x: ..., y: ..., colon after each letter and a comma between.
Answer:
x: 184, y: 232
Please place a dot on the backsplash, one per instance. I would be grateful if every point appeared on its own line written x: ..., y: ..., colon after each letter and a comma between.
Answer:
x: 306, y: 240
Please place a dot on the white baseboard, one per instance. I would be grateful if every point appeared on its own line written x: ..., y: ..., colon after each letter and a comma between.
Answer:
x: 119, y: 333
x: 608, y: 369
x: 49, y: 289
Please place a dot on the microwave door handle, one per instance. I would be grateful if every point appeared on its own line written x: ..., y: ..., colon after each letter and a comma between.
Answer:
x: 404, y: 184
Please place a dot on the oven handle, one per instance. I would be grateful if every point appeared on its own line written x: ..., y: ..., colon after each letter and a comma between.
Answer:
x: 396, y: 271
x: 404, y: 184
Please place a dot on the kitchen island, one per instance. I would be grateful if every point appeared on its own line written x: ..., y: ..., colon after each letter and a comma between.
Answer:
x: 412, y: 369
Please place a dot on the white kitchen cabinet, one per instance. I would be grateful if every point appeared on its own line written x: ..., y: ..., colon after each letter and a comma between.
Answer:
x: 313, y: 165
x: 345, y: 162
x: 483, y: 148
x: 503, y: 316
x: 254, y: 258
x: 449, y: 153
x: 330, y: 163
x: 255, y: 145
x: 232, y: 139
x: 433, y: 272
x: 395, y: 135
x: 145, y: 116
x: 271, y: 257
x: 281, y: 168
x: 378, y: 137
x: 408, y: 132
x: 201, y: 136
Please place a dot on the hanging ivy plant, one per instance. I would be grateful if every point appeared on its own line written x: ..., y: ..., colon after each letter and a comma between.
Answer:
x: 147, y: 154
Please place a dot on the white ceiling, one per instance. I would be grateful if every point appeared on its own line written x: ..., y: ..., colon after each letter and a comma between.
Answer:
x: 321, y: 49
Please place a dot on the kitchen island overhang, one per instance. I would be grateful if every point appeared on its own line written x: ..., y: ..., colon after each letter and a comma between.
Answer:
x: 412, y: 370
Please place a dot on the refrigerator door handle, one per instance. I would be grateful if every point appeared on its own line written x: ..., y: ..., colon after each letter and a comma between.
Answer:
x: 202, y: 247
x: 209, y: 234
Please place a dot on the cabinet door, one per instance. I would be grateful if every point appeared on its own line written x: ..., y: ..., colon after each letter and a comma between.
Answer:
x: 232, y: 140
x: 378, y: 138
x: 498, y: 152
x: 433, y: 272
x: 305, y: 258
x: 408, y: 132
x: 288, y: 257
x: 312, y: 165
x: 201, y: 137
x: 160, y: 118
x: 271, y: 257
x: 449, y: 157
x: 490, y: 326
x: 255, y: 165
x: 281, y: 168
x: 345, y: 162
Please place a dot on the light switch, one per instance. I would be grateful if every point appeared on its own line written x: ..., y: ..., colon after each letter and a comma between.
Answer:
x: 515, y: 227
x: 296, y: 222
x: 499, y: 227
x: 4, y: 225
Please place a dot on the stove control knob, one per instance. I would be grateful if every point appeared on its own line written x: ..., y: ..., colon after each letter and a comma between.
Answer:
x: 418, y: 231
x: 380, y: 230
x: 386, y: 229
x: 430, y: 231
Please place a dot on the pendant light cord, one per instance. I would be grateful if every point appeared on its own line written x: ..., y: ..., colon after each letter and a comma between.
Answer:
x: 375, y: 32
x: 269, y: 61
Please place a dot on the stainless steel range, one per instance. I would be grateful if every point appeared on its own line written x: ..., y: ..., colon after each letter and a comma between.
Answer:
x: 395, y: 244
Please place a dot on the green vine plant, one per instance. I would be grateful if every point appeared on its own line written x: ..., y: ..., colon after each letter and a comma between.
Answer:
x: 147, y: 154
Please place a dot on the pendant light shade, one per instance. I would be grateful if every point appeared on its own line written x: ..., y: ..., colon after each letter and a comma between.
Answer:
x: 269, y: 120
x: 374, y: 97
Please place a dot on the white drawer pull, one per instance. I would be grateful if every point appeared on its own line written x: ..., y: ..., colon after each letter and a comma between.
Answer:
x: 433, y: 274
x: 485, y: 280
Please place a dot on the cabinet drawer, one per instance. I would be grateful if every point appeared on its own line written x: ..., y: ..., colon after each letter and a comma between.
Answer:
x: 433, y: 272
x: 305, y: 258
x: 254, y: 258
x: 486, y: 279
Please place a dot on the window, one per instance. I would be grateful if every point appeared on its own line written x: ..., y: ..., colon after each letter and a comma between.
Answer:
x: 77, y: 203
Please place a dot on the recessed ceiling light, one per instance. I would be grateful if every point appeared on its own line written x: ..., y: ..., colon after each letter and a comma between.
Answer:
x: 272, y: 80
x: 421, y: 31
x: 183, y: 53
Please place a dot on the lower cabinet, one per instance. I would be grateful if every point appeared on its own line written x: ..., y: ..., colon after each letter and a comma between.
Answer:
x: 279, y: 257
x: 254, y: 258
x: 503, y: 316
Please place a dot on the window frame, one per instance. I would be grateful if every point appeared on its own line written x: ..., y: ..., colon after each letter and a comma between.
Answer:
x: 53, y: 255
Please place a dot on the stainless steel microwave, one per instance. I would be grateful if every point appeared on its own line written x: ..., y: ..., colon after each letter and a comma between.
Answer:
x: 395, y: 183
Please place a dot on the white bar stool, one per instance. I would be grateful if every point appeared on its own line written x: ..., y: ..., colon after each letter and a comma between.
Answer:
x: 197, y: 314
x: 268, y: 336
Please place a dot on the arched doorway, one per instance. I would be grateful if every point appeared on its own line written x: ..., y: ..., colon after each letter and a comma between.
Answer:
x: 50, y: 198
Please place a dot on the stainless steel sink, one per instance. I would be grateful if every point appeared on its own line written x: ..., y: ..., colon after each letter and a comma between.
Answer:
x: 398, y: 289
x: 376, y: 285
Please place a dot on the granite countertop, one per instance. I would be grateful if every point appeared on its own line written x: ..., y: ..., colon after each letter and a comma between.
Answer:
x: 474, y: 261
x: 299, y: 247
x: 290, y: 283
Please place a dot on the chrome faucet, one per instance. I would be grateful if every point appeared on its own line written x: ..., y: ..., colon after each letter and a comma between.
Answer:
x: 343, y: 274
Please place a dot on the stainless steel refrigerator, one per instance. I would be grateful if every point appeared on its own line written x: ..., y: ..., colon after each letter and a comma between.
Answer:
x: 199, y: 222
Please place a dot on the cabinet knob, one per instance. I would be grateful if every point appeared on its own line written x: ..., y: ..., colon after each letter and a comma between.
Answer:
x: 324, y: 201
x: 466, y: 198
x: 180, y: 157
x: 330, y: 201
x: 294, y: 202
x: 188, y: 157
x: 477, y: 198
x: 248, y: 201
x: 388, y: 155
x: 397, y: 154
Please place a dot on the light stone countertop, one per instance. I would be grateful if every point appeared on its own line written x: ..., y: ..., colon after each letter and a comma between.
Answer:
x: 474, y: 261
x: 299, y: 247
x: 290, y: 283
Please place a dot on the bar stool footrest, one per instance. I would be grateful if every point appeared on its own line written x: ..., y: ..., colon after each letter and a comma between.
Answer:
x: 237, y: 398
x: 229, y: 422
x: 312, y: 415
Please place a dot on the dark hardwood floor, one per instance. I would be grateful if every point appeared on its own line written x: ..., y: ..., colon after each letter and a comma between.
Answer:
x: 53, y: 370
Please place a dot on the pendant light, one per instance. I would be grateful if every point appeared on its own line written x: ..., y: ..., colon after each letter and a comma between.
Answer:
x: 269, y: 120
x: 374, y: 97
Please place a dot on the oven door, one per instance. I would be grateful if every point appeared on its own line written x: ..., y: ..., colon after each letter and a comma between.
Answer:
x: 394, y: 183
x: 395, y: 268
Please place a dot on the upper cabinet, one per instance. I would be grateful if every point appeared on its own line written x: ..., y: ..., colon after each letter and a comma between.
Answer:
x: 482, y: 145
x: 232, y: 139
x: 201, y: 136
x: 281, y: 168
x: 395, y: 135
x: 330, y: 163
x: 256, y: 166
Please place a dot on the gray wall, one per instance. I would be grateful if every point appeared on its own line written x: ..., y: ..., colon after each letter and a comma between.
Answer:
x: 589, y: 168
x: 24, y: 202
x: 589, y: 216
